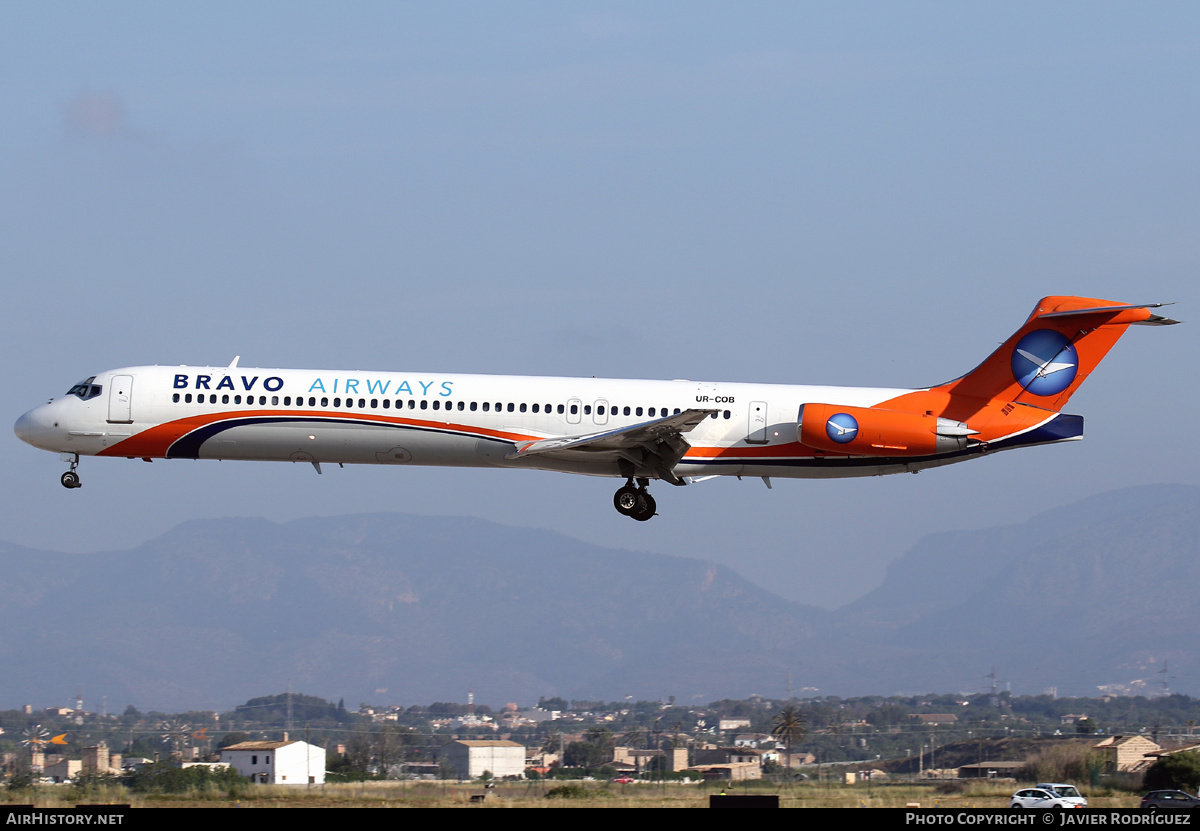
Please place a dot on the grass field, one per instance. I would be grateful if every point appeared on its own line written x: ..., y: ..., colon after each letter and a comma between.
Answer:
x: 534, y: 795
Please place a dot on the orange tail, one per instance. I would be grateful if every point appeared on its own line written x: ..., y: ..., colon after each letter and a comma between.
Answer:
x: 1041, y: 365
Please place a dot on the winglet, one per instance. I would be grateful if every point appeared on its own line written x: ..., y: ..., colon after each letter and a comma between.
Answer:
x: 233, y: 363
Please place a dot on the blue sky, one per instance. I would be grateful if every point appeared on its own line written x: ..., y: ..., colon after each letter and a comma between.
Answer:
x: 860, y: 193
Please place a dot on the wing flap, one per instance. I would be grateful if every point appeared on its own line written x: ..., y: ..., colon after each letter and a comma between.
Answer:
x: 656, y: 445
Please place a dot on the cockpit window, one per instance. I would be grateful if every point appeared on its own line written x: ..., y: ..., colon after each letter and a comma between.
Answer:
x: 86, y: 389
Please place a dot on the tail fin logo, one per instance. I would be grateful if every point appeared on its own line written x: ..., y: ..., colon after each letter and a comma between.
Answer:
x: 1044, y: 362
x: 842, y: 428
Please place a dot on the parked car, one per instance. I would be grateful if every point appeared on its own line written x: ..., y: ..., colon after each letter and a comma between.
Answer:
x: 1169, y: 801
x: 1048, y: 795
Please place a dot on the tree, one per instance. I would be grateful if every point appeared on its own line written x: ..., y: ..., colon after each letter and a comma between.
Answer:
x: 789, y: 725
x: 1179, y: 770
x: 233, y: 738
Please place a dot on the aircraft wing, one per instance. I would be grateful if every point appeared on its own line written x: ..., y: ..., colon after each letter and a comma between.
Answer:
x: 657, y: 445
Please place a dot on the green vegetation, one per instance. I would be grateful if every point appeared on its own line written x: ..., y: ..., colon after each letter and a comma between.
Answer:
x: 165, y: 778
x: 1179, y: 770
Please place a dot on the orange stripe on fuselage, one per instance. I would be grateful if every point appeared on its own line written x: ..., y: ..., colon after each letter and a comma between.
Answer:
x: 154, y: 442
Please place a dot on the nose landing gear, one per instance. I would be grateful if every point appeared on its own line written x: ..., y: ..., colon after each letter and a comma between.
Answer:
x: 635, y: 502
x: 70, y: 479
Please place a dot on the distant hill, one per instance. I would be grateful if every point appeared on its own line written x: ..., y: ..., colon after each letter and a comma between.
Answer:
x: 420, y: 607
x: 391, y: 608
x: 1096, y: 593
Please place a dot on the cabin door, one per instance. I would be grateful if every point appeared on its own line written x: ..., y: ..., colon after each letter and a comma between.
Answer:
x: 120, y: 394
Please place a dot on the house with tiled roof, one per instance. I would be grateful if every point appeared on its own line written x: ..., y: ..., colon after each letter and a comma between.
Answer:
x: 277, y: 763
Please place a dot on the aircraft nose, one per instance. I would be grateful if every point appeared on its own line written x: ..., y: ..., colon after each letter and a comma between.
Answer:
x: 35, y: 427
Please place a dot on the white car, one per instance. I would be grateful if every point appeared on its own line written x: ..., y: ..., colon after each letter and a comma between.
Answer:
x: 1048, y: 795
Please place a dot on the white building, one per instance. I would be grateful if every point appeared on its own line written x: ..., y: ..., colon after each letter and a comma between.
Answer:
x: 277, y: 763
x: 471, y: 758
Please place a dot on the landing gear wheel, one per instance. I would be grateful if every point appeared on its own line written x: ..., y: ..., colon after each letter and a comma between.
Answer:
x: 645, y: 508
x: 70, y: 479
x: 626, y: 500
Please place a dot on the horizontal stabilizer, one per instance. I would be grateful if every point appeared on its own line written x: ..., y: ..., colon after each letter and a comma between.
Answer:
x: 1151, y: 320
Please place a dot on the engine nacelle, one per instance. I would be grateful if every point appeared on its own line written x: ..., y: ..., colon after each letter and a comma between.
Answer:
x: 867, y: 431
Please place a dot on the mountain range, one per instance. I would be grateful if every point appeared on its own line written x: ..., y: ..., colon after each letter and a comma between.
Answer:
x: 399, y: 609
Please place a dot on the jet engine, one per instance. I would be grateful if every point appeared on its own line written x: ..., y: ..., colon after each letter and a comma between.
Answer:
x: 868, y: 431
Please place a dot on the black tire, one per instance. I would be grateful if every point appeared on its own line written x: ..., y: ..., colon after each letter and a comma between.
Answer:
x: 645, y: 507
x: 626, y: 500
x: 70, y: 479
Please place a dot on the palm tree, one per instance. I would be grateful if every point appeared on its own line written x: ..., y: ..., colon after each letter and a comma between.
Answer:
x: 790, y: 725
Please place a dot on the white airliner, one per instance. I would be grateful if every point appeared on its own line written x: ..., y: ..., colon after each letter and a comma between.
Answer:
x: 635, y: 430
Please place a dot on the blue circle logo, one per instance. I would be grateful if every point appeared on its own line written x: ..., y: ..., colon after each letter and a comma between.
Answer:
x: 1044, y: 362
x: 841, y: 428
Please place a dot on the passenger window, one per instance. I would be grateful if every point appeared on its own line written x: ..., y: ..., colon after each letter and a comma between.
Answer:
x: 274, y: 400
x: 374, y: 403
x: 587, y: 409
x: 472, y: 406
x: 362, y: 403
x: 535, y: 408
x: 436, y: 404
x: 287, y: 401
x: 175, y: 398
x: 424, y: 404
x: 510, y: 406
x: 627, y: 411
x: 187, y: 399
x: 561, y: 408
x: 522, y: 408
x: 337, y: 402
x: 651, y: 412
x: 387, y: 403
x: 262, y: 400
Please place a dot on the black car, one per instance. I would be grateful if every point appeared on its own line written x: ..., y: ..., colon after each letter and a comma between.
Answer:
x: 1169, y: 801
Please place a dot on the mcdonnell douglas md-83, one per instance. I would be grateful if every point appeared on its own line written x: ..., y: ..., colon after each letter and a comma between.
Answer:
x: 633, y: 430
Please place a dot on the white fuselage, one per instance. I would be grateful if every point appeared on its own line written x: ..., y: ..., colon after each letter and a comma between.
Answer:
x: 357, y: 417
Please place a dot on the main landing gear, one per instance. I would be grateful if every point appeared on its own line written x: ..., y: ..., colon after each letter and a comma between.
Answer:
x: 70, y: 479
x: 635, y: 502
